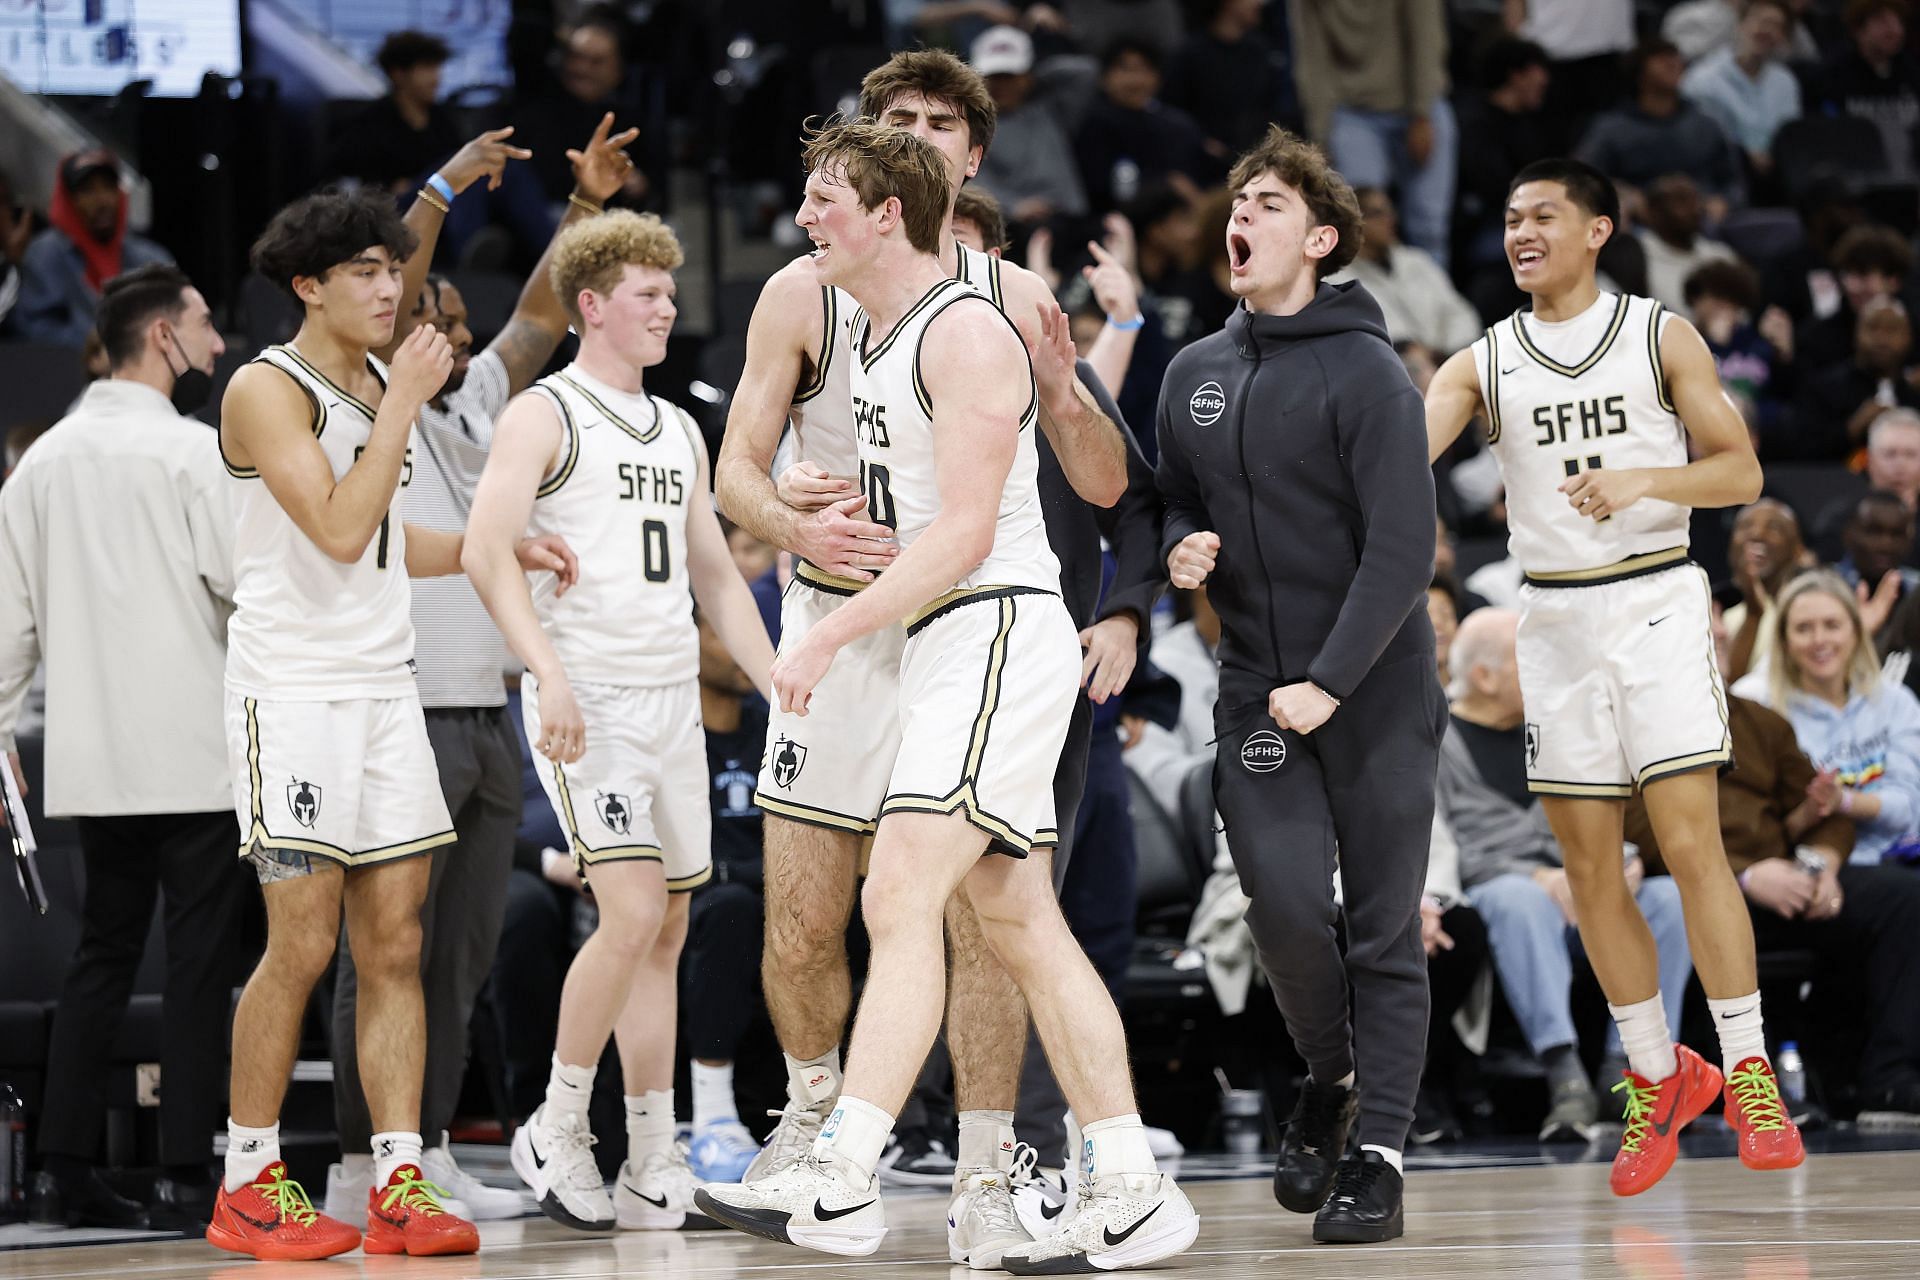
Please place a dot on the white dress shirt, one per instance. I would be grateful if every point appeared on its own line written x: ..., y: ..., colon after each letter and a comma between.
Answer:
x: 116, y: 567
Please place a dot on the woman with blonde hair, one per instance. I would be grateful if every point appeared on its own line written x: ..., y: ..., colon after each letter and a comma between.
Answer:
x: 1862, y: 732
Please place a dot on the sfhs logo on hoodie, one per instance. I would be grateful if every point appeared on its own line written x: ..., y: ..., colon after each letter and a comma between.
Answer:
x: 1207, y: 403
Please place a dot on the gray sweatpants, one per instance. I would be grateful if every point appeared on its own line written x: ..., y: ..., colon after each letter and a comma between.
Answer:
x: 477, y: 751
x: 1361, y: 785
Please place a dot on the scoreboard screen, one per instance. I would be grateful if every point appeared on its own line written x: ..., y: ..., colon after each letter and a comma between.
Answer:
x: 100, y: 46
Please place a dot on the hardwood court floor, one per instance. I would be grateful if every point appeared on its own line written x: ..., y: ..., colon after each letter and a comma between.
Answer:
x: 1854, y: 1216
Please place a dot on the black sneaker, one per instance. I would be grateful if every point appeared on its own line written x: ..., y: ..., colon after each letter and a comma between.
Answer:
x: 1891, y: 1107
x: 915, y: 1158
x: 1365, y: 1207
x: 178, y: 1205
x: 1434, y: 1119
x: 1314, y: 1141
x: 85, y: 1200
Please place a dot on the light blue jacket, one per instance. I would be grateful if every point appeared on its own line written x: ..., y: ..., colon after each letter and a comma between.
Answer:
x: 1874, y: 743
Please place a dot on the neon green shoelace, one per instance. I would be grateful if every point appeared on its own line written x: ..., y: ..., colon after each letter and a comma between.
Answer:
x: 414, y: 1193
x: 1758, y: 1094
x: 288, y: 1198
x: 1639, y: 1114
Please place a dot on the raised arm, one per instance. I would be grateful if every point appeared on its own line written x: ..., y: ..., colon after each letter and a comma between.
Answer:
x: 266, y: 426
x: 1453, y: 401
x: 1085, y: 440
x: 484, y: 157
x: 836, y: 538
x: 539, y: 321
x: 724, y: 598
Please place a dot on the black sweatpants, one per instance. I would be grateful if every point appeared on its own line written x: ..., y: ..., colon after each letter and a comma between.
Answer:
x: 721, y: 968
x: 1361, y: 786
x: 477, y: 752
x: 188, y: 862
x: 1869, y: 957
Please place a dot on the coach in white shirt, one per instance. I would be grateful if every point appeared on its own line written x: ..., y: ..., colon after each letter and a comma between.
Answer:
x: 116, y: 571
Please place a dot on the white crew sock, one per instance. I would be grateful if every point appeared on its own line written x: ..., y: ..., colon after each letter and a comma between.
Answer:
x: 986, y: 1142
x: 1743, y: 1034
x: 569, y: 1089
x: 249, y: 1152
x: 390, y: 1151
x: 855, y: 1134
x: 1118, y: 1145
x: 713, y: 1094
x: 1645, y: 1037
x: 814, y: 1080
x: 649, y: 1124
x: 1388, y: 1154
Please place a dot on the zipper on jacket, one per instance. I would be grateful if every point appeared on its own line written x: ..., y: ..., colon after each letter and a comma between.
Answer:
x: 1253, y: 525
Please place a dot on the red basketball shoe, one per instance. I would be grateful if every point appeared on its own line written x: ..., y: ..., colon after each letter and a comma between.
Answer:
x: 272, y: 1219
x: 1769, y: 1139
x: 406, y: 1216
x: 1656, y: 1113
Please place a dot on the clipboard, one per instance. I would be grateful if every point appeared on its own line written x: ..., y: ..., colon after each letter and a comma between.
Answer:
x: 20, y: 835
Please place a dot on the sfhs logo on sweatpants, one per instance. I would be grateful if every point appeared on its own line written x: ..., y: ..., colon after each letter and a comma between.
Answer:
x: 1263, y: 751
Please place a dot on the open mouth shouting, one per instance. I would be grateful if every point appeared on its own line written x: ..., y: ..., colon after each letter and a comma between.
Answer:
x: 1239, y: 253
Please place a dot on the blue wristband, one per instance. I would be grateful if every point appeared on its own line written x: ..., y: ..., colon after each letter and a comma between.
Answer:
x: 442, y: 186
x: 1127, y: 326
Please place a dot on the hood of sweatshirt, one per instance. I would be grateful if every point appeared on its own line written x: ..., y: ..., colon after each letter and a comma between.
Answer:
x: 1337, y: 308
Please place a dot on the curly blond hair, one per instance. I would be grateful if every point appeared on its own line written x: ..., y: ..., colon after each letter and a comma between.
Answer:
x: 592, y: 253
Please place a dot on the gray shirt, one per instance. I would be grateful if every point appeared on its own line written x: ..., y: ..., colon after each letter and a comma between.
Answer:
x: 1495, y: 835
x: 458, y: 652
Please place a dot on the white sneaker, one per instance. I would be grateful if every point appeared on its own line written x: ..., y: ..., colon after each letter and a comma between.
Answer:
x: 659, y: 1196
x: 556, y: 1162
x: 811, y: 1203
x: 721, y: 1151
x: 1040, y: 1196
x: 347, y: 1195
x: 1123, y: 1221
x: 791, y: 1139
x: 981, y: 1222
x: 479, y: 1202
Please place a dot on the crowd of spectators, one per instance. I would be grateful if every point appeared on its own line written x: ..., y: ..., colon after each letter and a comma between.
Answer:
x: 1765, y: 151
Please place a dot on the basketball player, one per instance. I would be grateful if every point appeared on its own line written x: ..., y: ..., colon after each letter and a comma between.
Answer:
x: 1589, y: 399
x: 942, y: 404
x: 334, y: 779
x: 611, y: 696
x: 823, y: 780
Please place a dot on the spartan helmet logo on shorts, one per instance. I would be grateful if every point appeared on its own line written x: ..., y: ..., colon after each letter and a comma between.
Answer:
x: 789, y: 757
x: 303, y: 802
x: 1533, y: 745
x: 615, y: 813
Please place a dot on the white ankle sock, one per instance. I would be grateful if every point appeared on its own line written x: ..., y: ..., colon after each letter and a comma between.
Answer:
x: 1118, y: 1145
x: 1743, y: 1034
x: 986, y: 1141
x: 1388, y: 1154
x: 249, y: 1152
x: 1646, y: 1038
x: 569, y: 1088
x: 855, y: 1134
x: 713, y: 1094
x: 813, y: 1080
x: 390, y: 1151
x: 649, y: 1124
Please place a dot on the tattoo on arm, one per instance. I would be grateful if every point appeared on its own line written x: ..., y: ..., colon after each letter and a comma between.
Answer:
x: 524, y: 349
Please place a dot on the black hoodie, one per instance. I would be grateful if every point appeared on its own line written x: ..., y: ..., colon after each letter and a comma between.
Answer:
x: 1300, y: 441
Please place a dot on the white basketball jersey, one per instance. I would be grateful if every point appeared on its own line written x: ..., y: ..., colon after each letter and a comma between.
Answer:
x: 1555, y: 412
x: 307, y: 628
x: 822, y: 410
x: 619, y: 498
x: 893, y: 426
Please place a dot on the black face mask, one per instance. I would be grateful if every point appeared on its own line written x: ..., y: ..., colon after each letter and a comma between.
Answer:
x: 192, y: 387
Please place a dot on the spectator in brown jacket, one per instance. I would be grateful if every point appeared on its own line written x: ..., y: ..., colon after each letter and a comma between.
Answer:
x: 1863, y: 923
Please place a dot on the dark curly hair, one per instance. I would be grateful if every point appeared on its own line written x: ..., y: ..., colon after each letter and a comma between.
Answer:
x: 404, y: 50
x: 317, y: 233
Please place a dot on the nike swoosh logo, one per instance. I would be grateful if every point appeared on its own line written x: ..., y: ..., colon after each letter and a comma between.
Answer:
x: 1048, y: 1209
x: 1506, y: 372
x: 660, y: 1203
x: 1657, y: 621
x: 823, y: 1214
x: 1115, y: 1240
x: 1661, y: 1126
x: 248, y: 1218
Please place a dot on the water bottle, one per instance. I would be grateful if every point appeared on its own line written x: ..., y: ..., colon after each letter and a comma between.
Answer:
x: 13, y: 1155
x: 1792, y: 1074
x: 1240, y: 1121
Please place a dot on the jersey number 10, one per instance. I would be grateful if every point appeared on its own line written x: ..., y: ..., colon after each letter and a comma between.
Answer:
x: 876, y: 483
